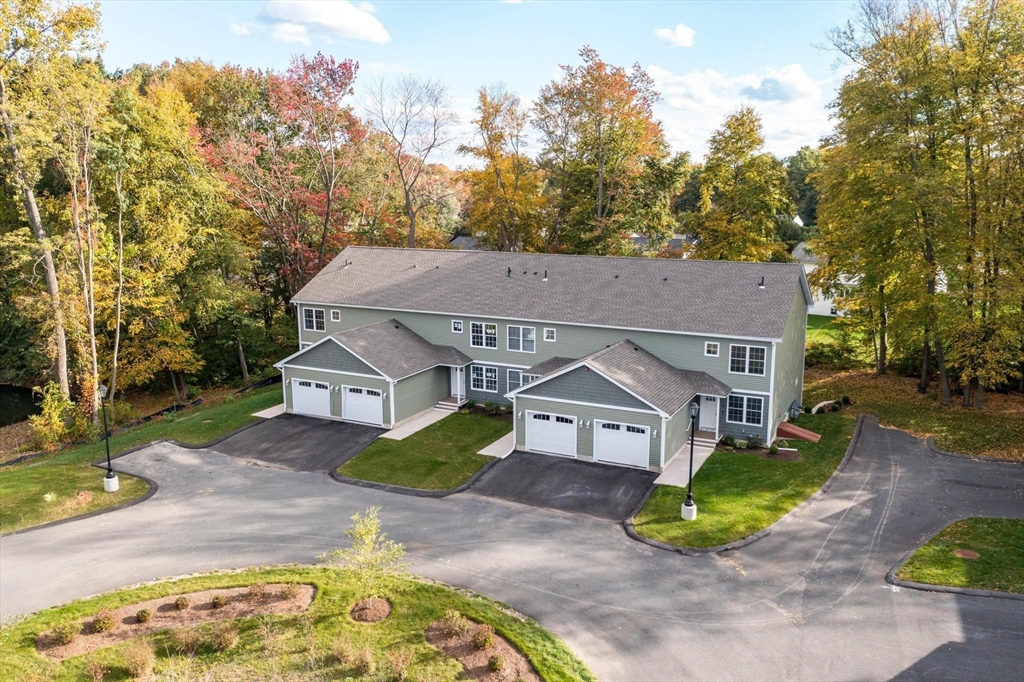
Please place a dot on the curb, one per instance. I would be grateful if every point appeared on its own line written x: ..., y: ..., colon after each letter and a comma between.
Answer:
x: 891, y: 578
x: 415, y: 492
x: 153, y: 486
x: 930, y: 442
x: 628, y: 526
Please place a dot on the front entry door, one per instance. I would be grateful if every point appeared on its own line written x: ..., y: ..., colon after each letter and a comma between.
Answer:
x: 709, y: 413
x: 459, y: 382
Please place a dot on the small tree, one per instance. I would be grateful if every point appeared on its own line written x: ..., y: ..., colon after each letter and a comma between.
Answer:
x: 372, y: 558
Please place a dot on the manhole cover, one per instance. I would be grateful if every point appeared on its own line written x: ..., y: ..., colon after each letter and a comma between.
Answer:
x: 966, y: 554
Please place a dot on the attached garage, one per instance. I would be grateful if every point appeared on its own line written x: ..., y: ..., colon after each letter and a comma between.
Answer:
x: 553, y: 434
x: 620, y: 443
x: 364, y: 405
x: 311, y: 398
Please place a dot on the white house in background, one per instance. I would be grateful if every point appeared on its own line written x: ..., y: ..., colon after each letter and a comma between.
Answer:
x: 822, y: 304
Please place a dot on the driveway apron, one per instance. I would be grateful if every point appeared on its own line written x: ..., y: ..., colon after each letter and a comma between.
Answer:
x: 808, y: 602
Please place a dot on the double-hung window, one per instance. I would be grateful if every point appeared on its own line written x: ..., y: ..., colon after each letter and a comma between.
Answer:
x: 483, y: 335
x: 522, y: 339
x: 746, y: 360
x: 744, y: 409
x: 313, y: 320
x: 484, y: 378
x: 516, y: 379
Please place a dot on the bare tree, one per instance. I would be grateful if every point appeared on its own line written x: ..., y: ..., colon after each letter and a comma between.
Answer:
x: 416, y: 115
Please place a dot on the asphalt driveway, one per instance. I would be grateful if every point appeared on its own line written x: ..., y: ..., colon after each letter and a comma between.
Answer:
x: 601, y: 490
x: 300, y: 443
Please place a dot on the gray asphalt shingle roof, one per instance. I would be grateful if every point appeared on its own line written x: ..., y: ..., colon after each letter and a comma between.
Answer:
x: 703, y: 297
x: 548, y: 366
x: 397, y: 351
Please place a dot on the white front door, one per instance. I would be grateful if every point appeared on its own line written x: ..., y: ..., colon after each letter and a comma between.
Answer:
x: 311, y: 397
x: 362, y: 405
x: 709, y: 413
x: 618, y: 443
x: 458, y: 382
x: 551, y: 433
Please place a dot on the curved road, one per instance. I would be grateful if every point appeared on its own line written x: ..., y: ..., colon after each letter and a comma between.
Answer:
x: 808, y: 602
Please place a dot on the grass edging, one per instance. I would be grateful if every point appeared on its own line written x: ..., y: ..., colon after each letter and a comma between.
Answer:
x: 930, y: 442
x: 891, y: 578
x: 415, y: 492
x: 627, y: 525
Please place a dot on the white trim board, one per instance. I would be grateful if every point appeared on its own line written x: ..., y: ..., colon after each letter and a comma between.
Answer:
x: 335, y: 371
x: 583, y: 363
x: 580, y: 402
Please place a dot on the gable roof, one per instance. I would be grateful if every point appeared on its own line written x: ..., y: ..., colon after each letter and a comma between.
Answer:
x: 649, y: 378
x: 542, y: 368
x: 699, y: 297
x: 392, y: 349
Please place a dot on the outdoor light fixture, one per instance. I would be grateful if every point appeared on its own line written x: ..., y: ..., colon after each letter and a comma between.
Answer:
x: 110, y: 482
x: 689, y: 509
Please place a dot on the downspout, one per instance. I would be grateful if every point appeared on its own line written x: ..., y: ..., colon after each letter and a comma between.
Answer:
x: 664, y: 436
x: 771, y: 400
x: 391, y: 401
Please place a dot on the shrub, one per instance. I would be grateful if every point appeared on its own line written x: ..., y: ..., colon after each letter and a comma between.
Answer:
x: 773, y: 450
x: 139, y: 659
x: 170, y: 417
x: 95, y: 671
x: 490, y: 406
x: 181, y: 603
x: 219, y: 601
x: 808, y: 408
x: 144, y: 616
x: 470, y: 404
x: 836, y: 406
x: 846, y: 400
x: 741, y: 444
x: 230, y: 398
x: 187, y: 641
x: 398, y: 664
x: 50, y: 426
x: 366, y: 664
x: 783, y: 443
x: 224, y: 637
x: 453, y: 623
x: 754, y: 442
x: 104, y: 621
x: 291, y: 591
x: 730, y: 441
x: 343, y: 651
x: 496, y: 663
x: 66, y: 632
x: 121, y: 413
x: 483, y: 638
x: 257, y: 592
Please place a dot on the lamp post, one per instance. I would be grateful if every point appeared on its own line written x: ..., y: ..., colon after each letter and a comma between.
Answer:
x: 689, y: 510
x: 110, y: 482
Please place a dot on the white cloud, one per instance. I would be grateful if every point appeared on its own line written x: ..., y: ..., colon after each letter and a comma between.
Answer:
x: 238, y: 29
x: 787, y: 84
x: 286, y: 32
x: 337, y: 19
x: 680, y: 36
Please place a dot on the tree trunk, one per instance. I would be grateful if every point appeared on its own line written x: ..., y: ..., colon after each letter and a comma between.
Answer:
x: 883, y: 332
x: 241, y: 361
x: 174, y: 385
x: 947, y: 398
x: 412, y: 220
x: 28, y: 198
x: 922, y: 386
x: 184, y: 387
x: 966, y: 402
x: 978, y: 392
x: 120, y: 289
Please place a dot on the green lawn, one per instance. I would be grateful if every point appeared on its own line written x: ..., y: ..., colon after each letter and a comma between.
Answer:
x: 999, y: 566
x: 439, y: 457
x: 64, y: 485
x: 302, y: 643
x: 821, y: 329
x: 740, y: 494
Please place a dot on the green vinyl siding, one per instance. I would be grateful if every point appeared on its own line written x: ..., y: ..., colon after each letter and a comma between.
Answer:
x: 421, y: 392
x: 586, y: 385
x: 335, y: 380
x: 789, y: 362
x: 677, y: 431
x: 588, y: 413
x: 330, y: 355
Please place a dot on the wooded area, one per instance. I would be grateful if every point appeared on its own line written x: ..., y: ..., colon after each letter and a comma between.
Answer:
x: 155, y: 222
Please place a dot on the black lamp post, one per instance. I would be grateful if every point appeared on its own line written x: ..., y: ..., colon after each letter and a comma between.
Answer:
x: 689, y: 508
x: 110, y: 484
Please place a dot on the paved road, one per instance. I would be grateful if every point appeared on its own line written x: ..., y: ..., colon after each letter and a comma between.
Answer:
x: 808, y: 602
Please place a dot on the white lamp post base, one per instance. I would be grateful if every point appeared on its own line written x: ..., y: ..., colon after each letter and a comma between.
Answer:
x: 111, y: 484
x: 689, y: 513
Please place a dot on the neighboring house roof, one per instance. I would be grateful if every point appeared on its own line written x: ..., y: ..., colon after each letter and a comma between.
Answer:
x: 691, y: 296
x: 542, y: 368
x: 646, y: 376
x: 392, y: 349
x: 465, y: 243
x: 804, y: 254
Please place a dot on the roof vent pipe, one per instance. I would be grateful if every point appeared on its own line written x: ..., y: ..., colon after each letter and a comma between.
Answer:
x: 509, y: 272
x: 545, y: 276
x: 761, y: 285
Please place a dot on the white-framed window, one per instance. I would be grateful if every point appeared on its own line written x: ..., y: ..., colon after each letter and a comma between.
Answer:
x: 515, y: 379
x: 744, y: 409
x: 304, y: 345
x: 483, y: 378
x: 335, y: 316
x: 711, y: 349
x: 563, y: 420
x: 611, y: 427
x: 747, y: 360
x: 313, y: 320
x: 456, y: 326
x: 550, y: 334
x: 483, y: 335
x: 522, y: 339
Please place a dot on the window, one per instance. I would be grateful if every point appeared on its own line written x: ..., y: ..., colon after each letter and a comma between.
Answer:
x: 306, y: 384
x: 711, y: 349
x: 313, y: 320
x: 515, y: 379
x: 304, y: 345
x: 744, y: 410
x: 563, y: 420
x: 375, y: 394
x: 356, y: 390
x: 746, y: 360
x: 335, y: 316
x: 636, y: 429
x: 542, y: 417
x: 611, y: 427
x: 549, y: 334
x: 484, y: 378
x: 483, y: 335
x: 456, y: 326
x: 522, y: 339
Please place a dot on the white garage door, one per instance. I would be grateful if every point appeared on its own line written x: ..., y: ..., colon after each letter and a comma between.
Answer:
x: 311, y: 397
x: 551, y: 433
x: 619, y: 443
x: 362, y: 405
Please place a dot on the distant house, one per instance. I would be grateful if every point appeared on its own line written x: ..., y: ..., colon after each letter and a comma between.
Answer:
x: 466, y: 243
x: 823, y: 305
x: 644, y: 244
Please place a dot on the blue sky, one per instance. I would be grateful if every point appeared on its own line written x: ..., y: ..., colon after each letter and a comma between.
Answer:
x: 706, y: 58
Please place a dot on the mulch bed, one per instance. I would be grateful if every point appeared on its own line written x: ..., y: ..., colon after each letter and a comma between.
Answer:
x: 166, y: 616
x: 765, y: 453
x: 474, y: 660
x: 370, y: 610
